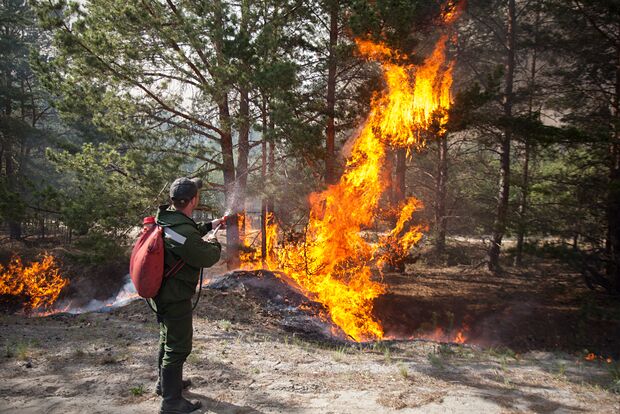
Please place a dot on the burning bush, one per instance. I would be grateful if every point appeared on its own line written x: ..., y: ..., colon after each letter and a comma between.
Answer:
x: 35, y: 286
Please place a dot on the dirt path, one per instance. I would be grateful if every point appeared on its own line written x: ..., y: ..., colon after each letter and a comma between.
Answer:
x: 244, y: 362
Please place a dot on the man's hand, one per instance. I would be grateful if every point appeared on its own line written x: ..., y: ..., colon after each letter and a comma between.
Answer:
x: 219, y: 222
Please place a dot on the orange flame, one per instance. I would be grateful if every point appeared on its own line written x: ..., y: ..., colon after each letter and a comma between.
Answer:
x: 40, y: 283
x: 251, y: 250
x: 333, y: 262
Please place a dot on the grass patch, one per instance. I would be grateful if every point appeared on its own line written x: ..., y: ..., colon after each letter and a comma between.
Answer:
x: 194, y: 358
x: 403, y: 371
x: 340, y: 353
x: 614, y: 371
x: 446, y: 350
x: 387, y: 356
x: 225, y: 325
x: 137, y: 391
x: 501, y: 352
x: 435, y: 360
x: 21, y: 350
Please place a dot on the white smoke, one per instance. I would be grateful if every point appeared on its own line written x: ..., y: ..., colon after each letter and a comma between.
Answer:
x: 126, y: 294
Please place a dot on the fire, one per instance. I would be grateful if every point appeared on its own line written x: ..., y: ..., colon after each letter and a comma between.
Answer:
x: 39, y: 284
x: 251, y: 250
x: 593, y: 357
x: 334, y: 263
x: 460, y: 338
x: 440, y: 335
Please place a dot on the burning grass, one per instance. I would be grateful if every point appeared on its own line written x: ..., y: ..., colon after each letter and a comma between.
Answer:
x: 34, y: 286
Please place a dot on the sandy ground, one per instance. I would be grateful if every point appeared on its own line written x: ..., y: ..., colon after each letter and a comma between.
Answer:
x: 245, y: 362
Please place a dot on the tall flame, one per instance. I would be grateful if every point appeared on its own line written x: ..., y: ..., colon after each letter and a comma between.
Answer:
x: 333, y: 262
x: 38, y: 284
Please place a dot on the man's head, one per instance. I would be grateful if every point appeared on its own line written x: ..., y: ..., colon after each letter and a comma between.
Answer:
x: 184, y: 193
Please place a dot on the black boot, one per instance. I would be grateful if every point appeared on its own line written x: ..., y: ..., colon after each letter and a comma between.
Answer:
x: 171, y: 384
x: 186, y: 384
x: 160, y: 358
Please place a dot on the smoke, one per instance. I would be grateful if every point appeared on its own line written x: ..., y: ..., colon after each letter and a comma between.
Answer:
x: 126, y: 294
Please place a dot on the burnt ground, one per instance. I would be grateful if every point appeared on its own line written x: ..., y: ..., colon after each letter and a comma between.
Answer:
x: 255, y: 352
x: 543, y: 307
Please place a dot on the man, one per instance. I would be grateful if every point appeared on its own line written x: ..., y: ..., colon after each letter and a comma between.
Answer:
x: 187, y: 251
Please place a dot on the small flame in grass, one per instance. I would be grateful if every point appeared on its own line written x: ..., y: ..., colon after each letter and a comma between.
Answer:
x: 39, y: 284
x: 460, y: 338
x: 440, y: 335
x: 593, y: 357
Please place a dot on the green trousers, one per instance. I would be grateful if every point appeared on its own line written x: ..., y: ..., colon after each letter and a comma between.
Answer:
x: 175, y: 331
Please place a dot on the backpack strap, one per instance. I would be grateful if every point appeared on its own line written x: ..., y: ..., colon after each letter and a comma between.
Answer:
x: 168, y: 233
x: 174, y: 269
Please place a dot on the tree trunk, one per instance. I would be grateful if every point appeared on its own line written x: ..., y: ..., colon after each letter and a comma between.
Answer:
x: 499, y: 225
x: 441, y: 193
x: 523, y: 204
x: 400, y: 190
x: 613, y: 210
x: 244, y: 122
x: 15, y: 227
x: 263, y: 173
x: 330, y: 154
x: 272, y: 164
x: 523, y: 201
x: 232, y: 201
x: 228, y: 162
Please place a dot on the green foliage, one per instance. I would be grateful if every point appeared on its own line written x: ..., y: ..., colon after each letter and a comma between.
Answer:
x: 106, y: 192
x: 137, y: 391
x: 394, y: 22
x: 23, y: 110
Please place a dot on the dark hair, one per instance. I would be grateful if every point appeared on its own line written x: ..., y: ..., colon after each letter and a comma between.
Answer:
x: 180, y: 204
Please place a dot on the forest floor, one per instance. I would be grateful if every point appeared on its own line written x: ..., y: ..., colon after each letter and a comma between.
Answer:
x: 527, y: 337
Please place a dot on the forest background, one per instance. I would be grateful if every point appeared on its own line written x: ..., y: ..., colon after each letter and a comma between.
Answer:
x: 102, y: 103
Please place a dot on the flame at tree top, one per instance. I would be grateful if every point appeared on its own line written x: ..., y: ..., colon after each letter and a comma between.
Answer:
x: 333, y: 263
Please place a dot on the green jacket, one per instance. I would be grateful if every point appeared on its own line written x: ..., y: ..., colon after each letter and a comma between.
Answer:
x: 183, y: 241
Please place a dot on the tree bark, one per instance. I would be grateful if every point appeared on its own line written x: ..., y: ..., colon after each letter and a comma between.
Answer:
x: 525, y: 178
x: 15, y: 226
x: 232, y: 201
x: 228, y: 163
x: 263, y: 173
x: 272, y: 161
x: 613, y: 210
x: 330, y: 153
x: 523, y: 204
x: 400, y: 190
x: 243, y: 147
x: 499, y: 225
x: 441, y: 193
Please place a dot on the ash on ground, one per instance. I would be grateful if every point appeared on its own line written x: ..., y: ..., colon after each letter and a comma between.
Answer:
x: 276, y: 297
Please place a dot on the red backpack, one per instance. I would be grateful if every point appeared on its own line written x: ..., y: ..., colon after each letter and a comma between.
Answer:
x: 146, y: 266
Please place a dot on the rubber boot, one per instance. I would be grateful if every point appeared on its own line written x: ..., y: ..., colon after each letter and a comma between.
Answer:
x: 160, y: 358
x: 171, y: 386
